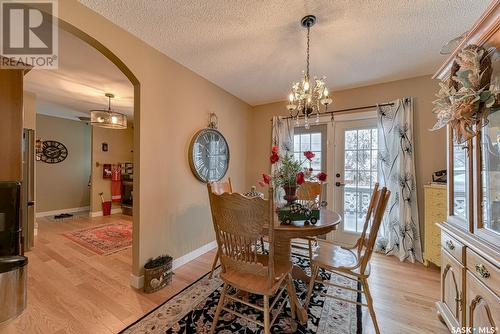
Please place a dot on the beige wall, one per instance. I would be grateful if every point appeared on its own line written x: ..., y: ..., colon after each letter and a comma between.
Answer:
x: 63, y: 185
x: 120, y: 150
x: 174, y: 216
x: 430, y: 147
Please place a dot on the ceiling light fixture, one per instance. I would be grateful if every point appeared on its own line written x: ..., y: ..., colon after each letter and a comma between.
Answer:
x: 306, y: 96
x: 107, y: 118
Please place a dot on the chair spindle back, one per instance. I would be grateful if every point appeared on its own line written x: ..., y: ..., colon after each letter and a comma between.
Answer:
x: 362, y: 241
x: 381, y: 200
x: 239, y: 223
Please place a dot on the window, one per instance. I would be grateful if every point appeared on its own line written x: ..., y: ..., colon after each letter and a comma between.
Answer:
x: 360, y: 175
x: 312, y: 139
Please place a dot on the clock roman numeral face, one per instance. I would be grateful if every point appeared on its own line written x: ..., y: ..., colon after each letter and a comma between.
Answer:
x: 53, y: 152
x: 210, y: 155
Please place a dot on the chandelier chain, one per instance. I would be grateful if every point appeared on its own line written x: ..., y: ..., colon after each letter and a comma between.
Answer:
x: 308, y: 43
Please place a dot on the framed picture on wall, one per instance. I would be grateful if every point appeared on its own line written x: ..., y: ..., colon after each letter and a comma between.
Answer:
x: 106, y: 171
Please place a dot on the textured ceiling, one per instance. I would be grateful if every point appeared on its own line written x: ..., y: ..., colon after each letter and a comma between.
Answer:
x: 254, y: 49
x: 84, y: 75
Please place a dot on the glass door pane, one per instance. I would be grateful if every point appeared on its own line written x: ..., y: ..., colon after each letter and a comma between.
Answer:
x: 460, y: 180
x: 490, y: 173
x: 312, y: 139
x: 360, y: 175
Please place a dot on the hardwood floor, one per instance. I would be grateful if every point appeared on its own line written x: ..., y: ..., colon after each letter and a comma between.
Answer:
x: 72, y: 290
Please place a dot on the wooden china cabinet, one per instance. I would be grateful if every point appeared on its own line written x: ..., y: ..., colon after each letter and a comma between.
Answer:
x: 470, y: 238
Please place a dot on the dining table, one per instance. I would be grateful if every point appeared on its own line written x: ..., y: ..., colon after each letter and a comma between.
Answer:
x: 283, y: 236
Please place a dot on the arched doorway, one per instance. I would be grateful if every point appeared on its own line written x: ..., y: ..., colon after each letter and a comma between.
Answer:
x: 111, y: 56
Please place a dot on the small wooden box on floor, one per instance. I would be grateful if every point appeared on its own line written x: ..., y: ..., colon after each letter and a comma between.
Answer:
x: 470, y: 236
x: 435, y: 212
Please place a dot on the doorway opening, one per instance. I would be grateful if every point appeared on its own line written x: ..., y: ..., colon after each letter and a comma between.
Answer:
x: 87, y: 71
x: 346, y: 149
x: 355, y: 168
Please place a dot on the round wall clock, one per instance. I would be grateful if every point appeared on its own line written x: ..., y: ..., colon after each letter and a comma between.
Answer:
x: 53, y: 152
x: 209, y: 155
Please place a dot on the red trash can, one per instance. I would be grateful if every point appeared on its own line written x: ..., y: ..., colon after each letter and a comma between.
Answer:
x: 106, y: 208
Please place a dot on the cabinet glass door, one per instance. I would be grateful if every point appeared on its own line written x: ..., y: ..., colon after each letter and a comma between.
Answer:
x: 490, y: 173
x: 460, y: 180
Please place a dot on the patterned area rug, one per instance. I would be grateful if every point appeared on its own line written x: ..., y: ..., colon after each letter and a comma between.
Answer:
x: 192, y: 311
x: 104, y: 240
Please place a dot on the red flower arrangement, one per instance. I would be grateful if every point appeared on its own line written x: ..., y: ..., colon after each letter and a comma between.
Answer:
x: 290, y: 173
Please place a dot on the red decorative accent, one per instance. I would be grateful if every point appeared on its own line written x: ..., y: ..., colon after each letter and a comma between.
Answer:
x: 274, y: 157
x: 309, y: 155
x: 322, y: 176
x: 275, y: 149
x: 116, y: 183
x: 300, y: 178
x: 266, y: 178
x: 106, y: 171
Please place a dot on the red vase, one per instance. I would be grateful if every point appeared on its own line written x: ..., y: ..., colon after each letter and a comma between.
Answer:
x: 290, y: 193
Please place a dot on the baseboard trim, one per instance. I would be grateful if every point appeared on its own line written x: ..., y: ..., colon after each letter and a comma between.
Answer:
x: 56, y: 212
x: 99, y: 213
x: 138, y: 281
x: 194, y: 254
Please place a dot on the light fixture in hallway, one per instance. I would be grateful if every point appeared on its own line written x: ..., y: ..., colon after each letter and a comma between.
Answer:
x: 307, y: 96
x: 107, y: 118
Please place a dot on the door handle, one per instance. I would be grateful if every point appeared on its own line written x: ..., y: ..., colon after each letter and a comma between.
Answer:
x: 31, y: 203
x: 340, y: 184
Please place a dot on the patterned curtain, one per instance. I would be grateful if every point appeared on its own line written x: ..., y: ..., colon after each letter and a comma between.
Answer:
x: 282, y: 136
x: 400, y: 232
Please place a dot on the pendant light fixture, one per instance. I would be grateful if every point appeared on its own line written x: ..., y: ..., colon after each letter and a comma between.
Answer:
x: 108, y: 118
x: 308, y: 95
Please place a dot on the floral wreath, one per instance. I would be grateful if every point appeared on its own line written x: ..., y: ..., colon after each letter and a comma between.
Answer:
x: 465, y: 99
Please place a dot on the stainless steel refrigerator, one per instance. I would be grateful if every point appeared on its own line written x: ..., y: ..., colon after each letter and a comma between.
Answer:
x: 28, y: 189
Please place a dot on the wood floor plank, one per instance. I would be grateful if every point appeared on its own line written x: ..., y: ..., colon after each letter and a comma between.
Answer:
x: 73, y: 290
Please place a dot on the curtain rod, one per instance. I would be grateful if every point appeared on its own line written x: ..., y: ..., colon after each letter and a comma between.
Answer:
x: 344, y: 110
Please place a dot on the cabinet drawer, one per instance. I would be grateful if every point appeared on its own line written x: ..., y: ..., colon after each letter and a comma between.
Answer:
x: 485, y: 271
x: 454, y: 247
x: 482, y: 306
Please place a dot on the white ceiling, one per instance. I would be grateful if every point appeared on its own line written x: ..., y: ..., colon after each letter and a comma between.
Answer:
x: 83, y: 77
x: 254, y: 49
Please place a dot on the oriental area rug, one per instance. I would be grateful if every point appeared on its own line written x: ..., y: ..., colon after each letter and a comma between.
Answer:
x: 192, y: 310
x: 105, y: 239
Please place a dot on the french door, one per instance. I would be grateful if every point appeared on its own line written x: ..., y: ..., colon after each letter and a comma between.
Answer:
x: 355, y: 174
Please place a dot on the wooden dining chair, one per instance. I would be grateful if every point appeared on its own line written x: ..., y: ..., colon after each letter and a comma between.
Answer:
x: 239, y: 222
x: 362, y: 240
x: 353, y: 264
x: 218, y: 188
x: 309, y: 193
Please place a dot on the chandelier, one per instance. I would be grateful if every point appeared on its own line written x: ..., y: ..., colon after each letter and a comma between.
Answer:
x: 308, y: 95
x: 108, y: 118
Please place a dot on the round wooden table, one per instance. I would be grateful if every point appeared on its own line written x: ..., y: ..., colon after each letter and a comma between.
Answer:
x: 283, y: 235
